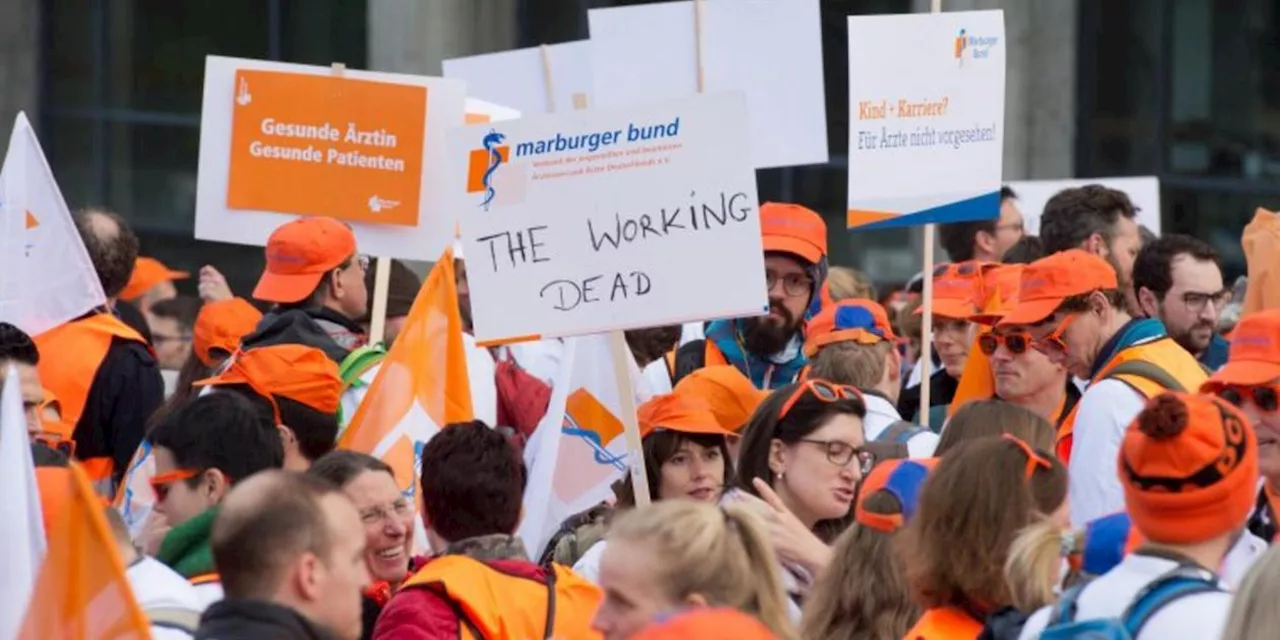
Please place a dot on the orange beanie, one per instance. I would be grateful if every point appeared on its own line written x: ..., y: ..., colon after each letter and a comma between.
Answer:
x: 1189, y: 466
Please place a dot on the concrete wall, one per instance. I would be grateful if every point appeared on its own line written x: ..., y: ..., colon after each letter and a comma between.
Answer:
x: 19, y: 62
x: 413, y: 36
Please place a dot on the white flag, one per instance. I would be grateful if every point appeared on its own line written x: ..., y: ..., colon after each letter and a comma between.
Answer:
x: 21, y: 523
x: 46, y: 277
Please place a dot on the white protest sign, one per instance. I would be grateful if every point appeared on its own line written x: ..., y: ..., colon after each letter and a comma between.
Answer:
x: 769, y: 49
x: 926, y: 121
x: 1034, y: 194
x: 609, y: 219
x: 481, y: 111
x: 279, y: 139
x: 519, y: 77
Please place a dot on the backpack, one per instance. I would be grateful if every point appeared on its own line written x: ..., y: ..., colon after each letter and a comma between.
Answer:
x: 1182, y: 581
x: 522, y: 400
x: 892, y: 442
x: 577, y: 534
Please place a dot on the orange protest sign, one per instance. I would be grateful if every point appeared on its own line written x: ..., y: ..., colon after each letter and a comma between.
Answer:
x: 327, y: 146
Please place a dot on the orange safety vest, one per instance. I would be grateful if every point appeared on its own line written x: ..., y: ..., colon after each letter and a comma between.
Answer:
x: 70, y: 355
x: 493, y: 605
x: 946, y: 623
x: 1165, y: 354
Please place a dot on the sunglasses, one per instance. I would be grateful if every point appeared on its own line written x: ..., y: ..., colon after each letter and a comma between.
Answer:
x: 1263, y: 396
x: 822, y: 390
x: 1033, y: 459
x: 1054, y: 340
x: 1016, y: 343
x: 160, y: 484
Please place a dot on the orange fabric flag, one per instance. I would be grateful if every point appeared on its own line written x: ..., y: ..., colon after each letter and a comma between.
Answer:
x: 421, y: 386
x: 1261, y: 242
x: 978, y: 382
x: 82, y: 592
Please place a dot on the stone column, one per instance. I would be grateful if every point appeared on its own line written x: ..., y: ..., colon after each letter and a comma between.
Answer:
x: 19, y: 63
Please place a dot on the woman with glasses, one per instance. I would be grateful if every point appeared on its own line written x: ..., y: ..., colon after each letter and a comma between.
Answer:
x: 802, y: 457
x: 388, y: 519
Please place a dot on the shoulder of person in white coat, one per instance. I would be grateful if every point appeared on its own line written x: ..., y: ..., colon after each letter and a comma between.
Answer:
x: 1104, y: 412
x: 481, y: 375
x: 162, y: 593
x: 881, y: 414
x: 540, y: 358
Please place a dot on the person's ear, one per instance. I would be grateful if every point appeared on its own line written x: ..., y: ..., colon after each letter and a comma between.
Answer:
x: 893, y: 365
x: 985, y: 241
x: 696, y: 600
x: 214, y: 485
x: 287, y: 437
x: 1098, y: 303
x: 777, y: 456
x: 308, y: 576
x: 1096, y: 245
x: 1148, y: 302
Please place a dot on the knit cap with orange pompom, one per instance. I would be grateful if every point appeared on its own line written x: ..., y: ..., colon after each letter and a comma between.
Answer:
x: 1189, y: 466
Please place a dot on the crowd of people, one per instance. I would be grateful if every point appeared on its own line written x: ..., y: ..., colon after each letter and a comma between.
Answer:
x: 1099, y: 456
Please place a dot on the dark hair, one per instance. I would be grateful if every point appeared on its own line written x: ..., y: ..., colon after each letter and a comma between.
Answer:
x: 113, y: 254
x: 17, y: 346
x: 958, y: 237
x: 1153, y: 268
x: 341, y: 467
x: 184, y: 309
x: 1073, y: 215
x: 472, y: 482
x: 653, y: 343
x: 1007, y: 193
x: 1026, y: 250
x: 254, y: 543
x: 807, y: 415
x: 659, y: 447
x: 987, y: 418
x: 192, y: 371
x: 223, y: 431
x: 316, y: 431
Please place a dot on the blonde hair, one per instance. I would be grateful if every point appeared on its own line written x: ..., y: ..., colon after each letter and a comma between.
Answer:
x: 844, y: 283
x: 863, y: 594
x: 1253, y: 611
x: 1034, y: 567
x: 723, y: 555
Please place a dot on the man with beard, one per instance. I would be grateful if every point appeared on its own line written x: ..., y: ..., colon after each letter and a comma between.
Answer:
x: 1178, y: 280
x: 769, y: 349
x: 1098, y: 220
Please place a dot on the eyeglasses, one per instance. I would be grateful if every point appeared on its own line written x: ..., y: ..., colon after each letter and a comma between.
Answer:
x: 822, y: 390
x: 1264, y: 396
x: 1196, y: 302
x: 793, y: 284
x: 842, y: 453
x: 160, y: 484
x: 359, y: 259
x: 381, y: 513
x: 1016, y: 343
x: 57, y: 443
x: 1054, y: 340
x: 1033, y: 459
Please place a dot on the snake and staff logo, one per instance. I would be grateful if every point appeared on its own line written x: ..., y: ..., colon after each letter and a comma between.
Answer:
x: 483, y: 163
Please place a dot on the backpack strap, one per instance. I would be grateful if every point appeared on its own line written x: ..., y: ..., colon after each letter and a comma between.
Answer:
x: 176, y: 618
x: 358, y: 362
x: 900, y: 432
x: 549, y: 630
x: 1147, y: 370
x: 1178, y: 583
x: 887, y: 450
x: 1065, y: 611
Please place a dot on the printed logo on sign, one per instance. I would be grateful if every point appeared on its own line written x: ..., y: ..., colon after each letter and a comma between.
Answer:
x: 378, y: 205
x: 971, y: 46
x: 483, y: 163
x: 586, y: 418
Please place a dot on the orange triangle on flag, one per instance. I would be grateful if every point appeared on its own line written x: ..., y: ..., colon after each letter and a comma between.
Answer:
x: 32, y: 222
x: 857, y: 217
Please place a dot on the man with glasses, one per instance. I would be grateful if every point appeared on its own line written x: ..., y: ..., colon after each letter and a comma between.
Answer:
x: 316, y: 279
x: 769, y: 349
x: 985, y: 240
x: 1178, y: 280
x: 1071, y: 306
x: 1251, y: 380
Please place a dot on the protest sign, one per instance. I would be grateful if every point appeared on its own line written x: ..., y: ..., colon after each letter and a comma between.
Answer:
x: 1034, y: 194
x: 482, y: 111
x: 609, y: 219
x: 534, y: 80
x: 926, y: 122
x: 279, y: 140
x: 769, y: 50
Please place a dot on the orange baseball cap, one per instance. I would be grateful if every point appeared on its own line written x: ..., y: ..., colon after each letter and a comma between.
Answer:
x: 707, y: 624
x: 682, y: 413
x: 728, y: 393
x: 221, y: 325
x: 1047, y: 282
x: 147, y: 273
x: 903, y: 479
x: 957, y: 289
x: 1254, y: 357
x: 1000, y: 285
x: 851, y: 320
x: 299, y: 253
x: 299, y: 373
x: 791, y: 228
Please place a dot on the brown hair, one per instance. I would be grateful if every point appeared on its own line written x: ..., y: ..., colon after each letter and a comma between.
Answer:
x: 857, y: 365
x: 986, y: 418
x: 972, y: 506
x: 661, y: 446
x: 863, y: 594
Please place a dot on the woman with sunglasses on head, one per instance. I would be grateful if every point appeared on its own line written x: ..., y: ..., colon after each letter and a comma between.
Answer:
x: 971, y: 508
x: 802, y: 457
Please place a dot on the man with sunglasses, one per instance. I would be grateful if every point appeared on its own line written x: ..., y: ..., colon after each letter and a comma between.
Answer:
x: 1178, y: 279
x: 1071, y: 306
x: 316, y: 278
x: 1251, y: 381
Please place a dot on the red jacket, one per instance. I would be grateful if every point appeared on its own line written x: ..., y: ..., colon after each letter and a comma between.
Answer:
x: 417, y: 613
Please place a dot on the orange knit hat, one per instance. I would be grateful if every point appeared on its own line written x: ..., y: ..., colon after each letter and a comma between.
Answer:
x: 1189, y: 466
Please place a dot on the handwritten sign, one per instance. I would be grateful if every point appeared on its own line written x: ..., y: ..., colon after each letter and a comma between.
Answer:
x: 926, y: 124
x: 280, y: 140
x: 611, y: 219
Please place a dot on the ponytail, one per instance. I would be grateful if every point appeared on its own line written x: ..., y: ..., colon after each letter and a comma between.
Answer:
x: 769, y: 597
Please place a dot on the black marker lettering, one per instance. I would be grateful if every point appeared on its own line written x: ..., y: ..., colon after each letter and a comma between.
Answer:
x: 534, y: 244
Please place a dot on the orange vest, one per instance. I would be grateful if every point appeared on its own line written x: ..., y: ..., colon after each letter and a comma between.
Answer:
x: 944, y: 624
x: 70, y: 355
x: 1165, y: 354
x: 497, y: 605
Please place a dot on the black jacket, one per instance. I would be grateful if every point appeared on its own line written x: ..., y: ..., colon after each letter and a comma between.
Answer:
x: 242, y: 619
x: 302, y: 326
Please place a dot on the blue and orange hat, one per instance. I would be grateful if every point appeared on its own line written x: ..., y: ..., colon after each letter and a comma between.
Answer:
x: 903, y: 479
x: 1107, y: 541
x: 851, y: 320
